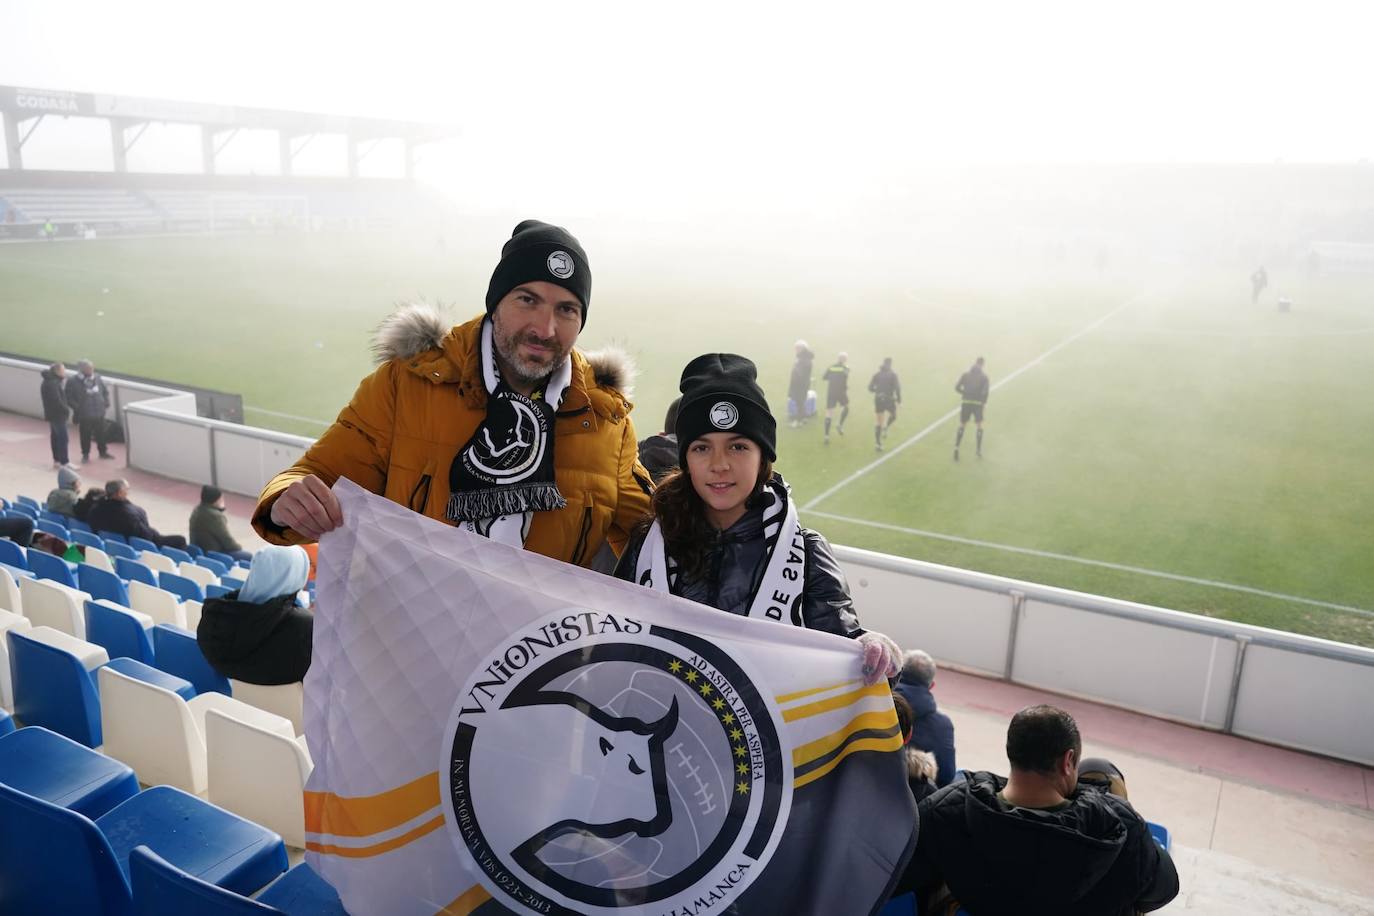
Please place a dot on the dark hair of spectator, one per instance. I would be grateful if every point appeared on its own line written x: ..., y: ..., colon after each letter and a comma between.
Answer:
x: 687, y: 533
x: 906, y: 716
x: 670, y: 418
x: 1039, y: 736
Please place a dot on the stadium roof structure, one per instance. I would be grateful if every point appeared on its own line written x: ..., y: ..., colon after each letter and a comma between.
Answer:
x: 129, y: 116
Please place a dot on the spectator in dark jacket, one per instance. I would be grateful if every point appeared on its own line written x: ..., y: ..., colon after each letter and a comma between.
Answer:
x: 209, y: 528
x: 115, y: 513
x: 1040, y: 841
x: 89, y: 399
x: 63, y: 500
x: 920, y: 765
x: 658, y: 453
x: 19, y: 530
x: 932, y: 730
x: 55, y: 410
x: 258, y: 634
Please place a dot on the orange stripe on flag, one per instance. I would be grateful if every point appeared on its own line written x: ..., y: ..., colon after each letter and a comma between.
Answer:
x: 364, y: 815
x: 363, y: 852
x: 845, y: 699
x: 470, y: 900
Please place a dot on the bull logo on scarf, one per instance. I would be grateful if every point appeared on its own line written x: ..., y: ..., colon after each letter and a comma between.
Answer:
x: 512, y: 454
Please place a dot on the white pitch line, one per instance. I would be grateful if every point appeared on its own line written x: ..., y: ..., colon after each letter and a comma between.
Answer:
x: 826, y: 494
x: 1103, y: 564
x: 285, y: 416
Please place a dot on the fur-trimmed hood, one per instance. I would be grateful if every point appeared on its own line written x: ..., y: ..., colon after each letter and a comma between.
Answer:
x: 417, y: 327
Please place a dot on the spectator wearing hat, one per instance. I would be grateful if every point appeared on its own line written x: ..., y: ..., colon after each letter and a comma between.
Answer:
x: 499, y: 426
x: 259, y: 634
x: 209, y: 528
x: 725, y: 531
x: 63, y: 500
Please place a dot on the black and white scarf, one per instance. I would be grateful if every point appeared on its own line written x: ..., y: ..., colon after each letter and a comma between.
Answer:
x: 505, y: 472
x: 784, y: 575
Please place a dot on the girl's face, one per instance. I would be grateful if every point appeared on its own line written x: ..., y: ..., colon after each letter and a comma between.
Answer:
x: 724, y: 468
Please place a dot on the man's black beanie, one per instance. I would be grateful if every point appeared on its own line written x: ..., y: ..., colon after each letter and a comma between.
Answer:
x: 721, y: 394
x: 538, y: 251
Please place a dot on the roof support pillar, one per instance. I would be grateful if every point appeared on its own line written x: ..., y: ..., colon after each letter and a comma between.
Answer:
x: 14, y: 157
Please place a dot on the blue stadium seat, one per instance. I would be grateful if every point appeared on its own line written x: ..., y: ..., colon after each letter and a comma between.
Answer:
x: 29, y: 501
x: 114, y: 536
x: 162, y: 889
x: 1161, y: 835
x: 88, y: 539
x: 228, y: 561
x: 52, y: 688
x: 195, y: 552
x: 101, y: 584
x: 904, y: 905
x: 119, y: 549
x: 50, y: 516
x: 216, y: 591
x: 181, y: 586
x: 118, y: 630
x: 150, y: 675
x: 215, y: 566
x: 6, y: 724
x: 129, y: 568
x: 177, y: 652
x: 53, y: 528
x: 234, y: 582
x: 11, y: 554
x: 4, y: 503
x: 76, y: 524
x: 176, y: 555
x: 23, y: 509
x: 57, y: 861
x: 47, y: 566
x: 46, y: 765
x: 138, y: 543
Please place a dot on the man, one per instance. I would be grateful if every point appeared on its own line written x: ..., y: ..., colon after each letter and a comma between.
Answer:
x: 973, y: 385
x: 1258, y: 281
x: 1040, y: 841
x: 836, y: 393
x: 887, y: 394
x: 63, y: 500
x: 89, y: 399
x: 931, y: 730
x: 498, y: 425
x: 209, y: 529
x: 658, y: 453
x: 799, y: 385
x: 115, y: 513
x: 55, y: 411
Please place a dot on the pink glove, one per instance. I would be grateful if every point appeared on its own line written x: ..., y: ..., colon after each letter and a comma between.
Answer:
x: 882, y: 658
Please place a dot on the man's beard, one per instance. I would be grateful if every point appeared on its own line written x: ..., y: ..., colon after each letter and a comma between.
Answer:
x: 529, y: 371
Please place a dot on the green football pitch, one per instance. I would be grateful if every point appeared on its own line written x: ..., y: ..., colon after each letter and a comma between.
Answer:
x: 1152, y: 436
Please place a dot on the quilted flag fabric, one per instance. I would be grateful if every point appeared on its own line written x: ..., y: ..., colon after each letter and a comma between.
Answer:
x: 494, y: 731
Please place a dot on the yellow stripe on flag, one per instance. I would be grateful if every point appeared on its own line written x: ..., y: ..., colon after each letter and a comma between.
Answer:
x: 789, y: 697
x: 863, y: 744
x: 468, y: 901
x: 821, y: 746
x: 364, y: 815
x: 364, y: 852
x: 837, y: 702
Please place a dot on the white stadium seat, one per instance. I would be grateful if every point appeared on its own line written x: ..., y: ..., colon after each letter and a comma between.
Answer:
x: 258, y: 772
x: 198, y: 574
x: 157, y: 562
x: 9, y: 593
x: 158, y: 604
x: 286, y: 700
x: 161, y: 735
x: 99, y: 559
x: 49, y: 604
x: 9, y: 621
x: 192, y: 609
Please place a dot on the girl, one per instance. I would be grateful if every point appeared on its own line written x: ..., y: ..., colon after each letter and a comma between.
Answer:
x: 724, y: 529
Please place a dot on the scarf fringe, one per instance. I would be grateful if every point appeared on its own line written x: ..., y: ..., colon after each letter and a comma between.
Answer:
x: 515, y: 499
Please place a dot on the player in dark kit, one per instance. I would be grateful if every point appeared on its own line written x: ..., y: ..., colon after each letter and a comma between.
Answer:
x: 836, y: 393
x: 973, y: 385
x: 887, y: 394
x: 1258, y: 281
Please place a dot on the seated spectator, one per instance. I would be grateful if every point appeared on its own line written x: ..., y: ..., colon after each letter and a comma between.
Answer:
x: 210, y: 529
x: 1039, y: 841
x: 658, y: 453
x: 920, y: 765
x: 19, y: 530
x: 63, y: 500
x: 87, y: 502
x: 115, y: 513
x: 932, y: 730
x: 258, y: 634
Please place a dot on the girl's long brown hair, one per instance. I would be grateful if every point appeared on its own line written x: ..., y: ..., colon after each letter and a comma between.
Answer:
x: 681, y: 514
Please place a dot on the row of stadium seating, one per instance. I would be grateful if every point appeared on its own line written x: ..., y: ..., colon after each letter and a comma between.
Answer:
x: 152, y: 209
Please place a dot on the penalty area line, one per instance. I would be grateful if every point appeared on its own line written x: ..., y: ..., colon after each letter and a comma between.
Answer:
x: 1101, y: 564
x: 873, y: 465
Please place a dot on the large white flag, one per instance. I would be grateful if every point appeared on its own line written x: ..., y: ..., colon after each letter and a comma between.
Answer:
x: 496, y: 731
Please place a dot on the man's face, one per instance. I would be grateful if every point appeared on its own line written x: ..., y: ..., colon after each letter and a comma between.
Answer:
x: 88, y: 371
x: 61, y: 371
x: 534, y: 328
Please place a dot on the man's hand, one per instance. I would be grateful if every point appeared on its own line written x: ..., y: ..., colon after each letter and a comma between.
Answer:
x: 308, y: 507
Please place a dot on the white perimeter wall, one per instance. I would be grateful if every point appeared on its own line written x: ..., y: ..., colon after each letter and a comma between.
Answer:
x: 1296, y: 691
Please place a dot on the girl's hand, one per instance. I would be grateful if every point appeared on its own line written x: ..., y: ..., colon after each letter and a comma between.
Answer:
x: 882, y: 658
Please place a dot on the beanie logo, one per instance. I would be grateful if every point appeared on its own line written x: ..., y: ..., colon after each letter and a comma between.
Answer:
x: 724, y: 415
x: 560, y: 264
